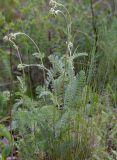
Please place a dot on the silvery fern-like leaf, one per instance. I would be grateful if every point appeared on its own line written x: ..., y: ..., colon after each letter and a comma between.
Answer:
x: 70, y: 94
x: 59, y: 88
x: 58, y: 66
x: 53, y: 98
x: 45, y: 93
x: 73, y: 93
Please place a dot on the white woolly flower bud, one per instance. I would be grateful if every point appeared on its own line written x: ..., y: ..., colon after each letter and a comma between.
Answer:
x: 11, y: 36
x: 70, y: 45
x: 52, y: 2
x: 6, y: 39
x: 57, y: 12
x: 20, y: 67
x: 37, y: 55
x: 52, y: 11
x: 6, y: 94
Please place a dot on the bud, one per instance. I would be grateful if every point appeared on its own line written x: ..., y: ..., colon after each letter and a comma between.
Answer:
x: 6, y: 39
x: 6, y: 94
x: 70, y: 45
x: 20, y: 67
x: 52, y: 2
x: 57, y: 12
x: 52, y: 11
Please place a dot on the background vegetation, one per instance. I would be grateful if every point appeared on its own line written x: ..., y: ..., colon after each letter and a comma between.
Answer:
x: 60, y: 103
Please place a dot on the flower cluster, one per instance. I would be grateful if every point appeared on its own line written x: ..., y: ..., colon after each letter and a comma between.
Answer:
x: 6, y: 94
x: 54, y: 12
x: 65, y: 13
x: 20, y: 67
x: 70, y: 45
x: 11, y: 36
x: 54, y: 5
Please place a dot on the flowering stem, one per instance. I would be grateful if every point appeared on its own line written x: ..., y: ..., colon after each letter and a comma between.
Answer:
x: 21, y: 33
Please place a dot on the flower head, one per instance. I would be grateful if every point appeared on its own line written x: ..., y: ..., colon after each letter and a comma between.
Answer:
x: 11, y: 36
x: 54, y: 12
x: 70, y: 45
x: 20, y: 67
x: 6, y: 94
x: 5, y: 38
x: 52, y: 3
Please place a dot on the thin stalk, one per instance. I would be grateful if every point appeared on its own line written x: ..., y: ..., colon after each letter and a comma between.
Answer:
x: 94, y: 27
x: 68, y: 33
x: 21, y: 33
x: 30, y: 84
x: 10, y: 101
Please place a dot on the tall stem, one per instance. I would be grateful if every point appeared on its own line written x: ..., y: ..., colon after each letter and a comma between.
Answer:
x: 11, y: 99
